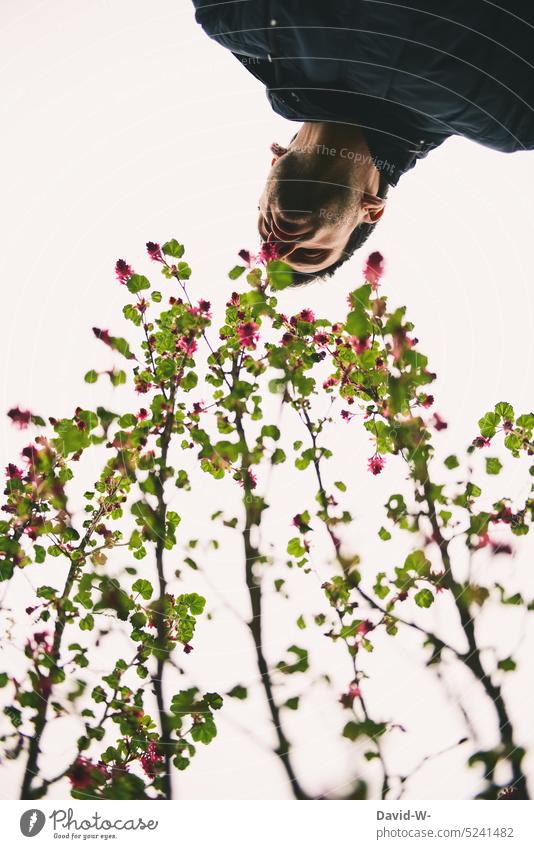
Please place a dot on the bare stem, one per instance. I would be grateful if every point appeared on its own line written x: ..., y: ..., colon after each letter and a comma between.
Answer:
x: 255, y: 624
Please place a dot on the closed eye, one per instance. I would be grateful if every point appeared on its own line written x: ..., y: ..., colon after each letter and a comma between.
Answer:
x: 308, y: 255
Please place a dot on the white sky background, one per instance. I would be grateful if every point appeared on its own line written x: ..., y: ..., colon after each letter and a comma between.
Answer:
x: 122, y: 122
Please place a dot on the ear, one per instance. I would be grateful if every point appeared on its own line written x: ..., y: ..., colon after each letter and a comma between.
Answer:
x: 372, y: 207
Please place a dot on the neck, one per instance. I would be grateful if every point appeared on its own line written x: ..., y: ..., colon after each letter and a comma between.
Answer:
x: 345, y: 151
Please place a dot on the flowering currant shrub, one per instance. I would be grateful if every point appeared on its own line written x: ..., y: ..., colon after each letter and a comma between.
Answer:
x: 102, y: 575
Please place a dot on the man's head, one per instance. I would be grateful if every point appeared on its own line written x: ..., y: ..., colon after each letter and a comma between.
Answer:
x: 322, y: 199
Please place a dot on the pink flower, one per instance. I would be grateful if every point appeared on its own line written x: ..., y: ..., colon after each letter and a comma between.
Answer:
x: 268, y: 252
x: 150, y: 759
x: 81, y: 773
x: 320, y: 339
x: 298, y: 522
x: 234, y: 300
x: 29, y: 452
x: 360, y: 345
x: 20, y: 418
x: 246, y: 256
x: 427, y: 400
x: 202, y: 309
x: 346, y: 416
x: 13, y: 471
x: 41, y: 639
x: 248, y: 333
x: 481, y: 442
x: 347, y: 699
x: 365, y: 626
x: 103, y: 335
x: 249, y: 478
x: 188, y: 346
x: 123, y: 271
x: 154, y: 251
x: 306, y: 315
x: 188, y: 648
x: 142, y: 415
x: 329, y: 382
x: 501, y: 547
x: 483, y: 540
x: 375, y: 464
x: 142, y: 386
x: 438, y: 422
x: 505, y: 514
x: 374, y: 269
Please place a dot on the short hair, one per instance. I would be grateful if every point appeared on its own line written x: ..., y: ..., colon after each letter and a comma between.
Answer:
x: 356, y: 239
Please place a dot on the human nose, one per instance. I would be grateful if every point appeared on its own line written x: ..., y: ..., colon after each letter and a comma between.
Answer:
x: 283, y: 248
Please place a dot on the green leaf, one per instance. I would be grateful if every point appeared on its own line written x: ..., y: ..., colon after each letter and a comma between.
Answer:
x: 292, y: 704
x: 47, y: 592
x: 366, y: 728
x: 493, y: 465
x: 40, y: 553
x: 488, y: 424
x: 295, y: 547
x: 301, y: 664
x: 136, y: 283
x: 418, y: 562
x: 91, y: 376
x: 361, y: 296
x: 505, y: 410
x: 238, y: 692
x: 138, y: 619
x: 424, y: 598
x: 87, y: 623
x: 384, y: 534
x: 128, y: 420
x: 451, y: 462
x: 144, y: 588
x: 270, y: 430
x: 117, y: 377
x: 280, y: 274
x: 380, y: 590
x: 236, y: 272
x: 358, y: 323
x: 173, y: 248
x: 14, y: 715
x: 184, y: 271
x: 4, y: 678
x: 508, y: 664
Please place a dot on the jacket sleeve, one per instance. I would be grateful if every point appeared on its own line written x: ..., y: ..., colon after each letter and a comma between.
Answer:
x: 242, y: 26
